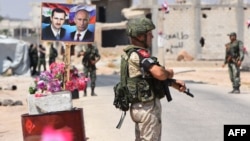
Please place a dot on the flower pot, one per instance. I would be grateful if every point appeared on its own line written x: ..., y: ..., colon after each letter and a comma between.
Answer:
x: 69, y: 124
x: 59, y: 101
x: 75, y: 94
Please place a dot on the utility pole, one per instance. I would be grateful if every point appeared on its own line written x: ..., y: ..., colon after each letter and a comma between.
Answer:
x: 154, y: 11
x: 160, y: 39
x: 197, y: 26
x: 240, y: 19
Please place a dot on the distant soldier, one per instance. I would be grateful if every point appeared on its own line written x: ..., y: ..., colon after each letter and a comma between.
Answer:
x: 233, y: 57
x: 91, y: 56
x: 42, y: 58
x: 52, y: 54
x: 33, y: 55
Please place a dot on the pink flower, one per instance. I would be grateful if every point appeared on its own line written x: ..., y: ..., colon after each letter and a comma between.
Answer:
x: 70, y: 86
x: 81, y: 84
x: 57, y: 70
x: 54, y: 86
x: 41, y: 85
x: 39, y: 95
x: 52, y: 81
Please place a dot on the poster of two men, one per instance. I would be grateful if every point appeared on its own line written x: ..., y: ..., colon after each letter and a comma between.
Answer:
x: 68, y: 22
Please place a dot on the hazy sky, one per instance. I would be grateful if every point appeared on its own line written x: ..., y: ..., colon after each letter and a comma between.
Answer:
x: 20, y: 8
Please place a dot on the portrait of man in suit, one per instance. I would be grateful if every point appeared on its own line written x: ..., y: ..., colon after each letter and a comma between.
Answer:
x: 82, y: 34
x: 55, y: 31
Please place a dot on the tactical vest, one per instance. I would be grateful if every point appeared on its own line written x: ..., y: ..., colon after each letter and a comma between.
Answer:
x: 90, y: 54
x: 53, y: 53
x: 142, y: 88
x: 234, y: 49
x: 233, y: 52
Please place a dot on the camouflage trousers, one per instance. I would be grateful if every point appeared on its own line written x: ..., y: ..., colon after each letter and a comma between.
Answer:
x: 234, y: 74
x: 91, y: 73
x: 41, y: 62
x: 147, y: 118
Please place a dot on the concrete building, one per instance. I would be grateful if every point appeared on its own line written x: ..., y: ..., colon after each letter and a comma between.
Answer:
x: 16, y: 28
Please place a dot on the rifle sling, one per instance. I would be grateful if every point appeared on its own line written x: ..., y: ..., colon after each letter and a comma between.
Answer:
x: 121, y: 120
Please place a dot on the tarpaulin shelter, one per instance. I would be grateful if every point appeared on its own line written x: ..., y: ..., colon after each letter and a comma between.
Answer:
x: 17, y: 53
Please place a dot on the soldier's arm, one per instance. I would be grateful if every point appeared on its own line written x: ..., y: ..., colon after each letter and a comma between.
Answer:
x: 241, y: 53
x: 42, y: 50
x: 163, y: 74
x: 156, y: 70
x: 227, y: 47
x: 160, y: 73
x: 97, y: 57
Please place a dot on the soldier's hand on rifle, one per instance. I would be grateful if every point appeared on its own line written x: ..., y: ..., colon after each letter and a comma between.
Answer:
x: 239, y: 63
x: 92, y: 62
x: 179, y: 85
x: 171, y: 73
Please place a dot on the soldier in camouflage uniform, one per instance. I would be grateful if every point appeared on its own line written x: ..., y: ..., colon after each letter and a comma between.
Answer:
x: 33, y: 55
x: 146, y: 111
x: 42, y: 58
x: 52, y: 54
x: 233, y: 57
x: 91, y: 56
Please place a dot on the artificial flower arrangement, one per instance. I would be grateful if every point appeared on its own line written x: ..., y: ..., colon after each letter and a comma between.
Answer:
x: 49, y: 82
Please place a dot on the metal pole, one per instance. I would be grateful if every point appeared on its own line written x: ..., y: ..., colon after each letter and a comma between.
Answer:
x: 67, y: 64
x: 161, y: 44
x: 154, y: 11
x: 240, y: 19
x: 197, y: 26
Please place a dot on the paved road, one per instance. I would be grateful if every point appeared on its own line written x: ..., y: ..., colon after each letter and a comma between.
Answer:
x: 203, y: 117
x: 184, y: 118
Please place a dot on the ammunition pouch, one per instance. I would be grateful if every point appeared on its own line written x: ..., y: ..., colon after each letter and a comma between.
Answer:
x: 121, y: 100
x: 235, y: 59
x: 140, y: 90
x: 231, y: 59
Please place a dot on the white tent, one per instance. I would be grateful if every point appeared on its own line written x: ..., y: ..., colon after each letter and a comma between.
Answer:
x: 17, y: 50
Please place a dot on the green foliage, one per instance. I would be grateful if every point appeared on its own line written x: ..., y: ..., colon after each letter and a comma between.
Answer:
x: 32, y: 90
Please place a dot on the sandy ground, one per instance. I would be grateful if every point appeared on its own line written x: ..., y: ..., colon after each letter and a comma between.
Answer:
x: 202, y: 71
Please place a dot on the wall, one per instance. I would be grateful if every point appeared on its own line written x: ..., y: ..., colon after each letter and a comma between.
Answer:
x: 112, y: 9
x: 180, y: 30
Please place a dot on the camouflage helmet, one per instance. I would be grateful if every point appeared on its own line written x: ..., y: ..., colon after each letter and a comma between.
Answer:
x: 139, y: 26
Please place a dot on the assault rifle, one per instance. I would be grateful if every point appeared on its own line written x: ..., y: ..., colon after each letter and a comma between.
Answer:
x: 171, y: 82
x: 229, y: 56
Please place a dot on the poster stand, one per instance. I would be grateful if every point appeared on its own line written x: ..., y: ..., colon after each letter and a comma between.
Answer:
x: 70, y: 122
x: 34, y: 126
x: 67, y: 63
